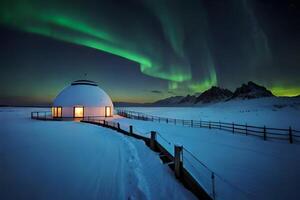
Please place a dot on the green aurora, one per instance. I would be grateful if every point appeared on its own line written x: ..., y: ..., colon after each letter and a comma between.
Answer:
x: 32, y: 18
x: 170, y: 40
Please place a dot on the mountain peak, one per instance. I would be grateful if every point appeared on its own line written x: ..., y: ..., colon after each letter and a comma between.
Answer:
x: 169, y: 100
x: 251, y: 90
x: 214, y: 94
x: 189, y: 99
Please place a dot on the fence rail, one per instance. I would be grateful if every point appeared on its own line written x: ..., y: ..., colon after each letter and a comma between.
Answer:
x: 202, y: 180
x: 266, y: 133
x: 160, y: 143
x: 42, y: 115
x: 47, y: 115
x: 193, y: 172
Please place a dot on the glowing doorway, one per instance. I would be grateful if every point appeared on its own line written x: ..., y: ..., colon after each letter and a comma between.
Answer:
x: 107, y: 111
x: 78, y: 111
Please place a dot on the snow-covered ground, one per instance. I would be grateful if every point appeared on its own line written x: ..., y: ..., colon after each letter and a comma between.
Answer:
x: 272, y: 112
x: 72, y: 160
x: 65, y: 160
x: 246, y: 167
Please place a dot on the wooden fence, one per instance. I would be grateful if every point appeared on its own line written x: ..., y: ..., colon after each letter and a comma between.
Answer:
x: 266, y: 133
x: 192, y: 172
x: 174, y: 161
x: 42, y: 115
x: 47, y: 115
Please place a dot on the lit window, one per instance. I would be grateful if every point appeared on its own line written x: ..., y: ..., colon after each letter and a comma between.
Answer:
x: 78, y: 111
x: 59, y: 112
x: 54, y: 111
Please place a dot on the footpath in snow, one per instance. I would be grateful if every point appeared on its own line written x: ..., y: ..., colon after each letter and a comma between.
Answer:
x: 72, y: 160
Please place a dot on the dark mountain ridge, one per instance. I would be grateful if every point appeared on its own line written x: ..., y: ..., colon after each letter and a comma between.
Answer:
x: 216, y: 94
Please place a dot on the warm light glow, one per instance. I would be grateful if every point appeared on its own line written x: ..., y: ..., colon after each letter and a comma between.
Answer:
x: 78, y: 112
x: 54, y: 111
x: 59, y: 112
x: 107, y: 111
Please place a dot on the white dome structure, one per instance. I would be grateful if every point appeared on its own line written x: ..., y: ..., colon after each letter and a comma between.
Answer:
x: 83, y: 98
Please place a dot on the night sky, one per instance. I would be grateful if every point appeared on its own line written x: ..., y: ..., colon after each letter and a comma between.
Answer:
x: 144, y: 50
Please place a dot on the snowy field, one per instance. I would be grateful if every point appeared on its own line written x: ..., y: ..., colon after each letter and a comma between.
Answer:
x: 272, y: 112
x: 246, y: 167
x: 72, y: 160
x: 249, y: 167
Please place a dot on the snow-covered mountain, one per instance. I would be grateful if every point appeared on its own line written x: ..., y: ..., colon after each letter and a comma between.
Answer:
x: 251, y: 91
x: 169, y: 101
x: 214, y: 94
x: 189, y: 99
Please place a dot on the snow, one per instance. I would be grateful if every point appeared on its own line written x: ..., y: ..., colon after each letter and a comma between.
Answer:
x: 73, y: 160
x: 270, y: 111
x: 83, y: 95
x: 246, y: 167
x: 251, y: 168
x: 41, y: 161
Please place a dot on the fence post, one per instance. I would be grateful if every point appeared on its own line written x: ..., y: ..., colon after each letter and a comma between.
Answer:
x: 104, y: 123
x: 130, y: 130
x: 213, y: 185
x: 220, y: 126
x: 153, y: 140
x: 200, y: 123
x: 209, y: 125
x: 290, y: 135
x: 246, y: 129
x: 178, y: 160
x: 167, y: 120
x: 232, y: 127
x: 31, y: 115
x: 192, y: 123
x: 265, y: 133
x: 118, y: 125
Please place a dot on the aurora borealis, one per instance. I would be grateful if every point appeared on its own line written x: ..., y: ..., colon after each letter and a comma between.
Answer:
x: 134, y: 47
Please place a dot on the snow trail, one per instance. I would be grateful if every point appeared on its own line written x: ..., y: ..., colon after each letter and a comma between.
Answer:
x: 134, y: 162
x: 72, y: 160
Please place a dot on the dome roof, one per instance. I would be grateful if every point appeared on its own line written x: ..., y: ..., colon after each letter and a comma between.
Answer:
x: 82, y: 93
